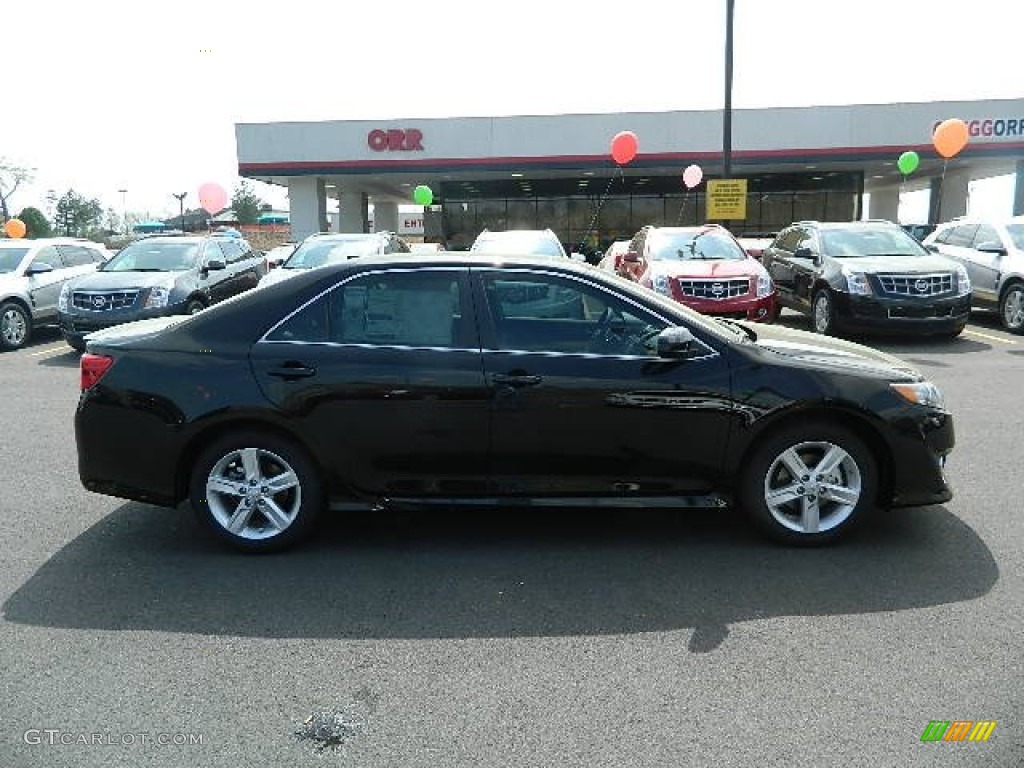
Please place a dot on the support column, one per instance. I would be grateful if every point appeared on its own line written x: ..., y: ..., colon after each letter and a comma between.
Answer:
x: 1018, y: 190
x: 352, y: 215
x: 948, y: 197
x: 307, y: 206
x: 385, y: 216
x: 884, y: 204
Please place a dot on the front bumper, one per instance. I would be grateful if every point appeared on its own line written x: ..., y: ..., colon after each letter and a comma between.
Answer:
x: 902, y: 314
x: 76, y: 325
x: 920, y: 446
x: 743, y: 308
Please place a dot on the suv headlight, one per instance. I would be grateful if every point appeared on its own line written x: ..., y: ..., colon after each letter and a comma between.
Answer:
x: 660, y: 284
x: 857, y: 283
x: 921, y: 392
x: 963, y: 282
x: 64, y: 298
x: 157, y: 298
x: 764, y: 286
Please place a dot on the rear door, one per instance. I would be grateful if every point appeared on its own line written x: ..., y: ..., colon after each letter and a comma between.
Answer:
x: 383, y: 376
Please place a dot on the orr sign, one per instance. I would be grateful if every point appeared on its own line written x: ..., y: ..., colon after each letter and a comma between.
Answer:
x: 395, y: 140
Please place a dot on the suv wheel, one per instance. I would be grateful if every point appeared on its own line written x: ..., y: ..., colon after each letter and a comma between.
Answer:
x: 807, y: 484
x: 194, y: 306
x: 823, y: 314
x: 15, y: 326
x: 1011, y: 308
x: 255, y: 491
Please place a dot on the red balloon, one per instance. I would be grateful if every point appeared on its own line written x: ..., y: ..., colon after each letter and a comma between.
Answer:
x: 624, y: 147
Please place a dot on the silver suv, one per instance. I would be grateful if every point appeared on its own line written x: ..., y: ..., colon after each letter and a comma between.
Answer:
x: 533, y: 242
x: 992, y: 251
x: 32, y: 274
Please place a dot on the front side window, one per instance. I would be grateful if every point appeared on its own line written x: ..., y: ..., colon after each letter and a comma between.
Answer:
x: 986, y: 234
x: 79, y: 255
x: 420, y: 308
x: 48, y: 255
x: 147, y: 256
x: 962, y: 235
x: 1015, y: 231
x: 537, y: 312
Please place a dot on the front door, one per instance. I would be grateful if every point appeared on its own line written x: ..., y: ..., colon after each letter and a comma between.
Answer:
x: 580, y: 403
x: 383, y: 375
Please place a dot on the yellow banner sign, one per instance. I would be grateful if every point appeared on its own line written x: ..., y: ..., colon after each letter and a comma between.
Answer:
x: 727, y: 199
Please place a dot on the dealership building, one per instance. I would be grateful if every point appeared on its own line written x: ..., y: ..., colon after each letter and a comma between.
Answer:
x: 533, y: 172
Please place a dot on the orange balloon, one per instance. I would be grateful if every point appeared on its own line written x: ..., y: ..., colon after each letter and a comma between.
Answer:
x: 15, y: 228
x: 950, y: 137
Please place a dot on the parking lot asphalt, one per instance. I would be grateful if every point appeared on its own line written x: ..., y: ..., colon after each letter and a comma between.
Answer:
x: 558, y: 639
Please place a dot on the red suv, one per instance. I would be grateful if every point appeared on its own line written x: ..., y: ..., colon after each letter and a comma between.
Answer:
x: 704, y: 268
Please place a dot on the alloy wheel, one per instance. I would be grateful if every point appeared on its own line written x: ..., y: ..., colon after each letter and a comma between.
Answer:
x: 822, y: 313
x: 1013, y: 309
x: 13, y: 327
x: 253, y: 493
x: 812, y: 487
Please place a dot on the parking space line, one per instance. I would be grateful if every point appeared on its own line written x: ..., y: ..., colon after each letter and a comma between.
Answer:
x: 990, y: 337
x: 51, y: 351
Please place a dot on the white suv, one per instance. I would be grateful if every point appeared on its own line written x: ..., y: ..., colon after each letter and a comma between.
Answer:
x: 532, y: 242
x: 992, y: 251
x: 32, y: 274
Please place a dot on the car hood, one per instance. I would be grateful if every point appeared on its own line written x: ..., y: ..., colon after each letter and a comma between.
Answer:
x: 898, y: 264
x: 139, y: 329
x: 818, y: 350
x: 277, y: 275
x: 115, y: 281
x: 723, y: 268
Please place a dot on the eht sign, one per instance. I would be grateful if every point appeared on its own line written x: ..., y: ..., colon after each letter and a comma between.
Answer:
x: 394, y: 140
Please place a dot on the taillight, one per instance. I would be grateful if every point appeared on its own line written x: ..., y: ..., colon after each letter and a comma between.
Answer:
x: 93, y: 368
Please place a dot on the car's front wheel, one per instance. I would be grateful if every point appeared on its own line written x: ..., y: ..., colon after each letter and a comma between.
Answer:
x: 807, y: 484
x: 823, y: 313
x: 15, y: 326
x: 256, y: 492
x: 194, y: 306
x: 1011, y: 308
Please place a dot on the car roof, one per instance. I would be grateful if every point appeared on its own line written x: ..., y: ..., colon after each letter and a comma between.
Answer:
x: 23, y: 241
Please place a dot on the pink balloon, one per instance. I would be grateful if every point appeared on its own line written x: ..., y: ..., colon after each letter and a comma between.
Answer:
x: 213, y: 198
x: 692, y: 176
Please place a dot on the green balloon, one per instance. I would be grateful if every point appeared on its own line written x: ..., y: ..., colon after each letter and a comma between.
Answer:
x: 423, y: 195
x: 908, y: 162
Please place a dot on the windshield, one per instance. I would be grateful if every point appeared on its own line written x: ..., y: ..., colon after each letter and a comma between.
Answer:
x: 10, y: 258
x: 855, y: 243
x: 147, y: 256
x: 525, y: 243
x: 319, y: 253
x: 703, y: 246
x: 1016, y: 233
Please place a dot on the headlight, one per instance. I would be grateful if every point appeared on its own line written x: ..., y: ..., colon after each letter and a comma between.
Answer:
x: 764, y: 286
x: 857, y: 283
x: 65, y: 296
x: 157, y: 298
x: 963, y: 282
x: 921, y: 392
x: 660, y: 284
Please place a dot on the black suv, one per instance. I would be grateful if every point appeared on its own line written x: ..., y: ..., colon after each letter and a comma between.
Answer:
x: 157, y: 276
x: 867, y: 275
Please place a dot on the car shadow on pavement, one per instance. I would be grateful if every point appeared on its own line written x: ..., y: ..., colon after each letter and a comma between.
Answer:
x: 481, y: 574
x: 69, y: 359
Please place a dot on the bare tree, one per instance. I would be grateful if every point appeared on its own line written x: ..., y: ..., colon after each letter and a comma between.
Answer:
x: 11, y: 176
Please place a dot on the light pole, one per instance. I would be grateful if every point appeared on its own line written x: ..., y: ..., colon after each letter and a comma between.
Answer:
x: 727, y: 111
x: 181, y: 207
x: 124, y: 207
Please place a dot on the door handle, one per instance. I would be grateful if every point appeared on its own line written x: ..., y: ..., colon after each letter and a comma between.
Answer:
x: 292, y: 370
x: 516, y: 379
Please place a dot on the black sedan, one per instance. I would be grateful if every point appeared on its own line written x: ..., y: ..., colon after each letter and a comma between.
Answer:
x: 501, y: 382
x: 158, y: 276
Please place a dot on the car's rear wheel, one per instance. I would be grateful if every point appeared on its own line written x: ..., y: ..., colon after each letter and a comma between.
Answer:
x: 809, y: 483
x: 1011, y: 308
x: 15, y: 326
x: 823, y: 313
x: 256, y: 492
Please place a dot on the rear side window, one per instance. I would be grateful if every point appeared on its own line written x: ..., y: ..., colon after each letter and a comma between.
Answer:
x: 79, y: 255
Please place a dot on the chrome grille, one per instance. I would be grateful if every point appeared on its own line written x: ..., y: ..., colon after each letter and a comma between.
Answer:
x: 917, y: 285
x: 713, y: 289
x: 103, y: 301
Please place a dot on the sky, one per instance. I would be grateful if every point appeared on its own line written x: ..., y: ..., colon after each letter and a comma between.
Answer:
x: 103, y: 96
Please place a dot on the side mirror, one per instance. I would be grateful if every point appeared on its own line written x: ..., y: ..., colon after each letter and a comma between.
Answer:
x: 275, y: 263
x: 631, y: 257
x: 991, y: 246
x: 38, y: 268
x: 932, y: 247
x: 675, y: 342
x: 577, y: 256
x: 215, y: 265
x: 803, y: 253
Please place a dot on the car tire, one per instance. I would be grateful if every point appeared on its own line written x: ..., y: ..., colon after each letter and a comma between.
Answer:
x: 955, y: 332
x: 823, y: 313
x: 194, y: 305
x: 15, y: 326
x: 792, y: 503
x: 76, y: 344
x: 232, y: 494
x: 1011, y: 308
